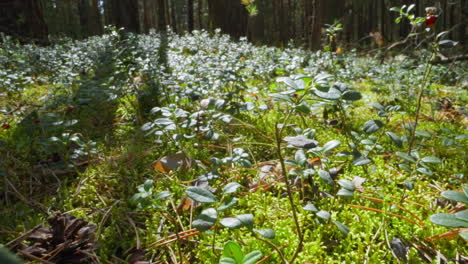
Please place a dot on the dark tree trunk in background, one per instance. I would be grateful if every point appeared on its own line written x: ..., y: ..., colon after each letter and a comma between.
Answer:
x: 90, y: 18
x: 162, y: 20
x: 150, y: 18
x: 277, y: 21
x: 162, y: 23
x: 123, y: 13
x: 23, y: 19
x: 230, y: 16
x: 317, y: 22
x: 200, y: 14
x: 190, y: 25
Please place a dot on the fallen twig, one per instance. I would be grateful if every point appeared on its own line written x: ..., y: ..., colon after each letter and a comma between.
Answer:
x: 382, y: 212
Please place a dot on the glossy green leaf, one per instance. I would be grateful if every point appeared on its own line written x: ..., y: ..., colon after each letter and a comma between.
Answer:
x: 300, y: 157
x: 455, y: 196
x: 267, y: 233
x: 282, y: 97
x: 462, y: 215
x: 331, y: 94
x: 330, y: 145
x: 448, y: 220
x: 405, y: 167
x: 347, y: 184
x: 228, y: 203
x: 395, y: 139
x: 421, y: 133
x: 345, y: 192
x: 231, y: 222
x: 464, y: 235
x: 372, y: 126
x: 206, y: 219
x: 233, y: 250
x: 310, y: 207
x: 301, y: 142
x: 252, y: 257
x: 227, y: 260
x: 162, y: 195
x: 288, y: 81
x: 352, y: 95
x: 231, y: 187
x: 342, y: 227
x: 303, y: 108
x: 200, y: 195
x: 325, y: 175
x: 431, y: 160
x: 361, y: 161
x: 406, y: 157
x: 324, y: 215
x: 247, y: 220
x: 425, y: 171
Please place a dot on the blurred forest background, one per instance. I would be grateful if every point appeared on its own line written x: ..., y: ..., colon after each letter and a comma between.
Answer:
x: 274, y: 22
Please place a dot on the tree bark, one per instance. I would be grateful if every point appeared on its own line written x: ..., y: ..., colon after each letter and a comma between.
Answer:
x: 23, y: 19
x: 190, y: 25
x: 123, y: 13
x: 223, y: 13
x: 90, y: 18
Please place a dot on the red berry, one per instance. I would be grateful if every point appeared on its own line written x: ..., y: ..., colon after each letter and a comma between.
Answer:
x: 6, y: 126
x: 295, y: 96
x: 37, y: 121
x: 430, y: 21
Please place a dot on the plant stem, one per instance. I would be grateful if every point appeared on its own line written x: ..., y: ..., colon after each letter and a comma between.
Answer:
x: 288, y: 188
x: 418, y: 107
x: 285, y: 261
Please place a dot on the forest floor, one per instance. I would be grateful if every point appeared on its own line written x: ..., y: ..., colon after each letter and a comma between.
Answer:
x: 200, y: 149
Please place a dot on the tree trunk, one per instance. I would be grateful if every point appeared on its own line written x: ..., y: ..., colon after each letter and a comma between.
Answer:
x: 223, y: 13
x: 123, y: 13
x: 190, y: 25
x: 317, y: 23
x: 23, y: 19
x: 90, y: 18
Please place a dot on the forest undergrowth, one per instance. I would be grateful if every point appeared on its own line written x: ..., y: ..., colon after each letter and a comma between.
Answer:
x: 200, y: 149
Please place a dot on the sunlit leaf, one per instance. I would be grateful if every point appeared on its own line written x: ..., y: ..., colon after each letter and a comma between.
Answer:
x: 347, y: 184
x: 228, y: 203
x: 324, y: 215
x: 345, y: 192
x: 231, y: 187
x: 252, y: 257
x: 310, y: 207
x: 396, y: 139
x: 448, y: 220
x: 200, y: 195
x: 431, y: 160
x: 231, y: 222
x: 301, y: 142
x: 343, y: 228
x: 267, y: 233
x: 325, y: 175
x: 330, y: 145
x: 246, y: 219
x: 206, y: 219
x: 406, y: 157
x: 455, y: 196
x: 233, y: 250
x: 372, y: 126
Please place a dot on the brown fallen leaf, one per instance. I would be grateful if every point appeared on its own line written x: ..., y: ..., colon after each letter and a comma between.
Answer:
x: 172, y: 162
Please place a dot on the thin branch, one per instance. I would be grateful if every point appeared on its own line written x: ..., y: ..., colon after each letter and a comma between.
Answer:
x: 382, y: 212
